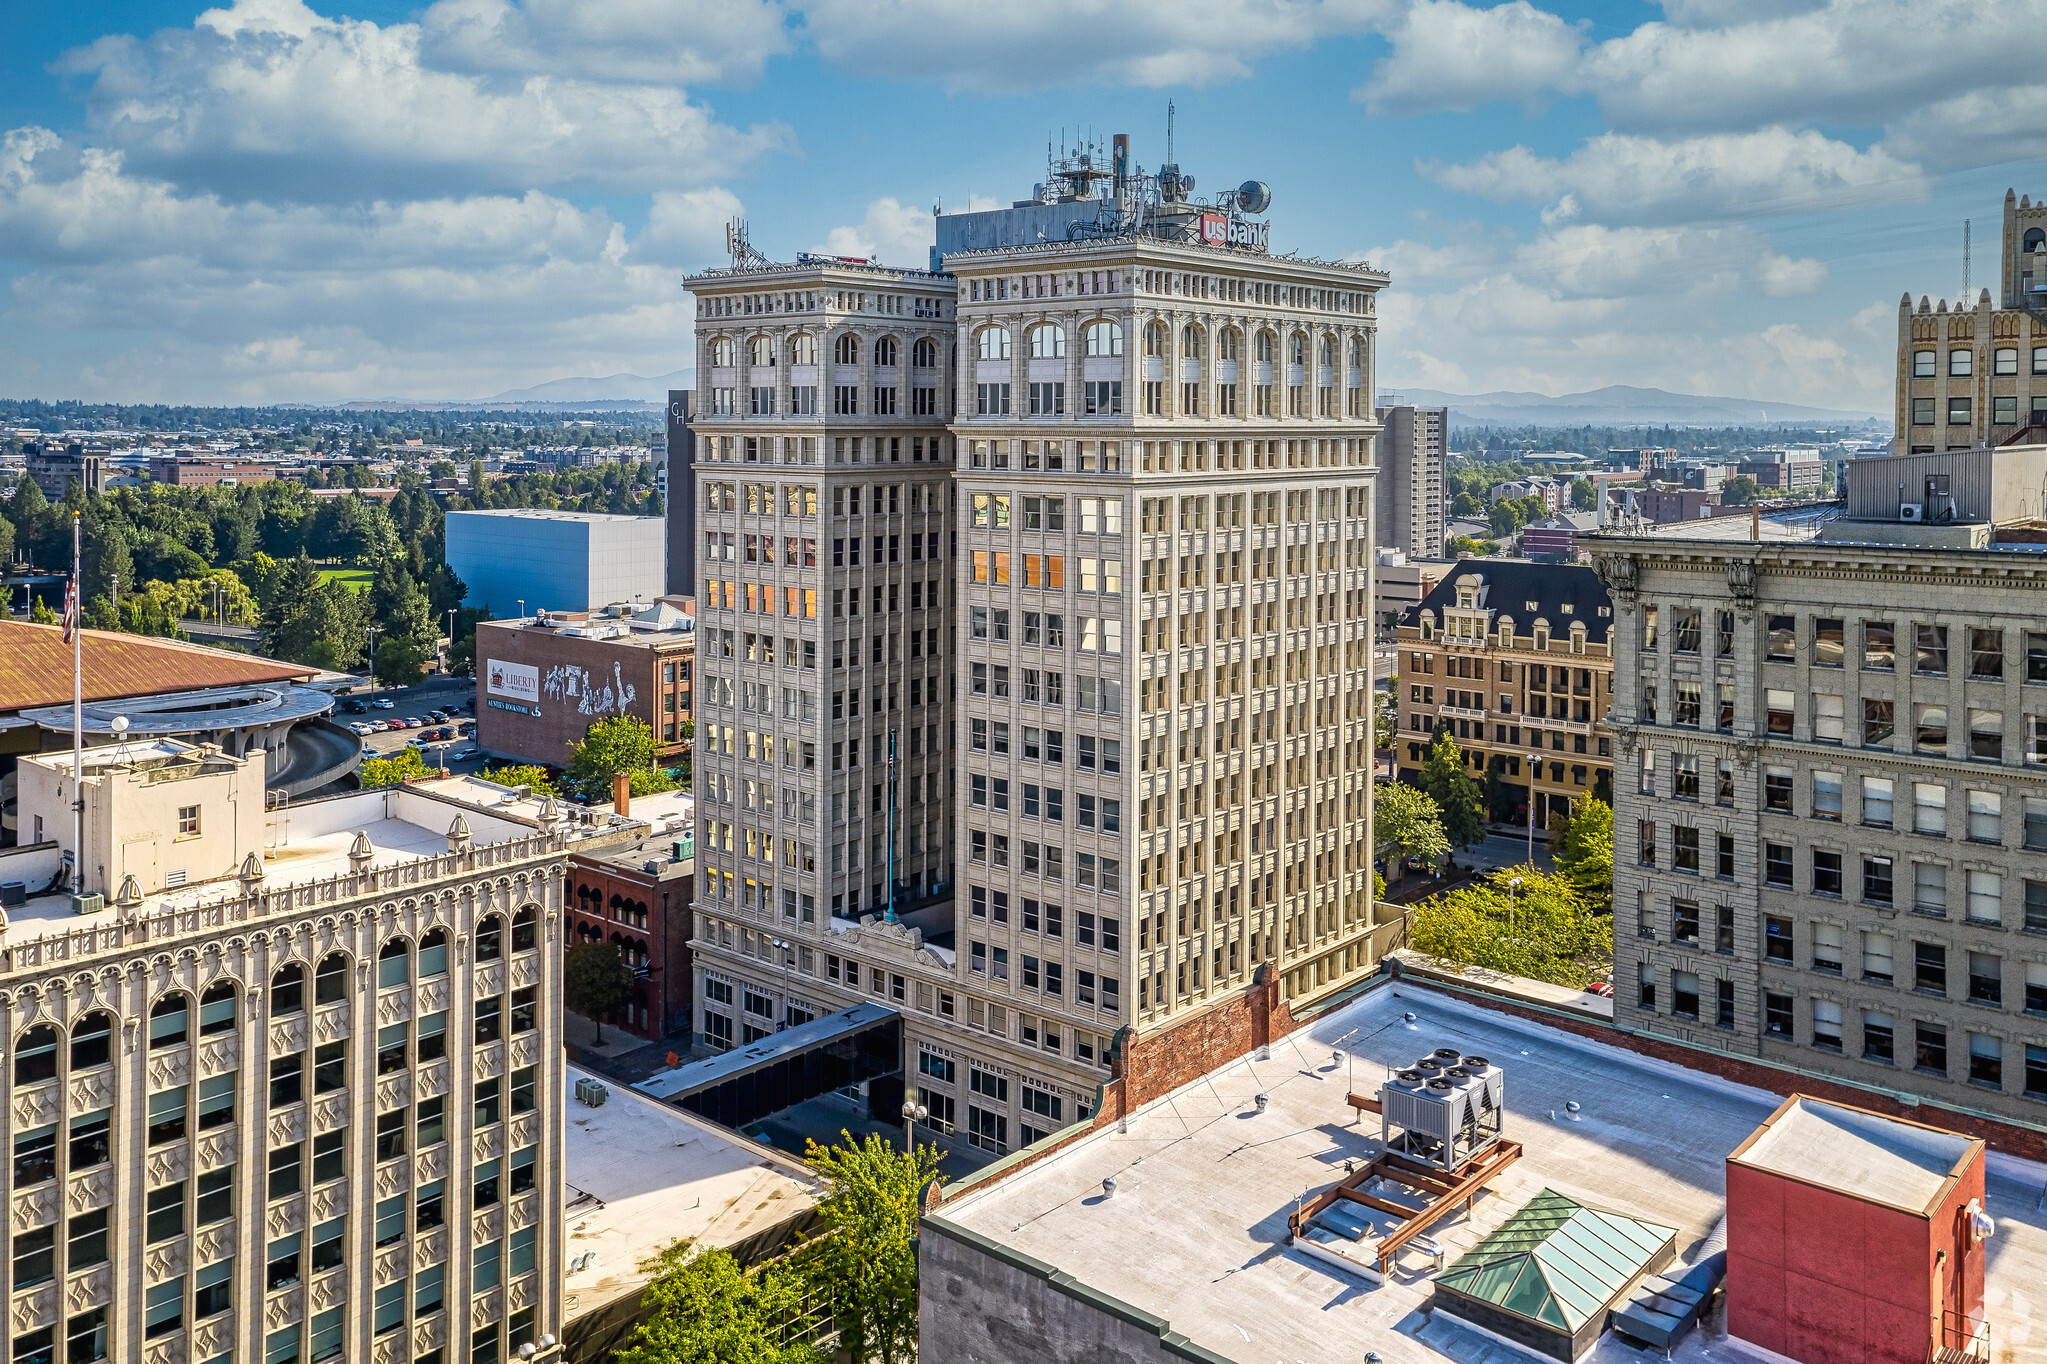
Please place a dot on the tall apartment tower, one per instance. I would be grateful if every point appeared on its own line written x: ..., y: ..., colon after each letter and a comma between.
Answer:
x: 1412, y: 453
x: 1157, y: 630
x: 823, y: 469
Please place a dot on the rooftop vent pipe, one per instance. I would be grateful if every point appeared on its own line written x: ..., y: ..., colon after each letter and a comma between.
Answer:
x: 1109, y: 1187
x: 1262, y: 1100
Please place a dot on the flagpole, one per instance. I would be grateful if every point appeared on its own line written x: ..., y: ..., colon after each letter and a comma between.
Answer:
x: 71, y: 622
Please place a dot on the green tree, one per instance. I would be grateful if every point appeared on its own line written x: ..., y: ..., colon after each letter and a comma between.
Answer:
x: 404, y: 765
x: 1506, y: 517
x: 39, y: 611
x: 1584, y: 852
x: 703, y: 1309
x: 1406, y: 823
x: 1464, y: 544
x: 1540, y: 929
x: 868, y: 1262
x: 1385, y: 723
x: 6, y: 542
x: 595, y: 981
x: 1739, y: 491
x: 1447, y: 778
x: 1583, y: 495
x: 536, y: 777
x: 622, y: 743
x: 400, y: 662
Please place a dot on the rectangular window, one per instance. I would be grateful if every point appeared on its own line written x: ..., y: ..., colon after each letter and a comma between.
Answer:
x: 1878, y: 723
x: 1777, y: 864
x: 1929, y: 889
x: 1876, y: 802
x: 1986, y: 897
x: 1777, y: 940
x: 1878, y: 1038
x: 1879, y: 646
x: 1777, y: 1013
x: 1826, y: 796
x: 1929, y: 1050
x: 1826, y: 872
x: 1929, y: 968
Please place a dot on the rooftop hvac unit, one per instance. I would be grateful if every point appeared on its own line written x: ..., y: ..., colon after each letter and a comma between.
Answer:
x: 1911, y: 511
x: 1449, y: 1107
x: 88, y: 904
x: 591, y: 1092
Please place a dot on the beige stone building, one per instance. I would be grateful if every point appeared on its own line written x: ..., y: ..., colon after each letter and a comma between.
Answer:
x: 1831, y: 818
x: 288, y: 1087
x: 1152, y: 620
x: 1515, y: 661
x: 1975, y: 374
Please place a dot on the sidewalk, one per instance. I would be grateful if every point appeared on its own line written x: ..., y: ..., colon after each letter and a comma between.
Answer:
x: 625, y: 1056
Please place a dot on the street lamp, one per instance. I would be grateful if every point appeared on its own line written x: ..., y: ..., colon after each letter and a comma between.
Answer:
x: 371, y: 632
x: 1534, y: 771
x: 448, y: 663
x: 1513, y: 886
x: 782, y: 951
x: 913, y: 1113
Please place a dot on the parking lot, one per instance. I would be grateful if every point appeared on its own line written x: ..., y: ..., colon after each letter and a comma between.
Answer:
x: 454, y: 697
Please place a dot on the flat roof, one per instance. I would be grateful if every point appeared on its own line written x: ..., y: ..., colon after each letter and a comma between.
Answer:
x: 1196, y: 1232
x: 545, y: 514
x: 716, y: 1070
x: 1904, y: 1165
x: 640, y: 1174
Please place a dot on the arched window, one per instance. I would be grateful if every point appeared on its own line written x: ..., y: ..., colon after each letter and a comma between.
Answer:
x: 1325, y: 353
x: 1048, y: 342
x: 1155, y: 339
x: 1228, y: 344
x: 1190, y: 342
x: 846, y: 350
x: 170, y: 1020
x: 1104, y: 338
x: 35, y: 1055
x: 2035, y: 239
x: 992, y: 343
x: 761, y: 351
x: 1297, y: 352
x: 1357, y: 352
x: 526, y: 929
x: 1541, y: 638
x: 1578, y: 639
x: 330, y: 982
x: 723, y: 352
x: 217, y: 1008
x: 803, y: 349
x: 92, y: 1040
x: 490, y: 938
x: 885, y: 352
x: 288, y: 990
x: 394, y: 963
x: 1263, y: 347
x: 924, y: 355
x: 433, y: 953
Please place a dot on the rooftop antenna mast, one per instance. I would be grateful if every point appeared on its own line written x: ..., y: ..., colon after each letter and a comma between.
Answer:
x: 1965, y: 260
x: 1170, y: 158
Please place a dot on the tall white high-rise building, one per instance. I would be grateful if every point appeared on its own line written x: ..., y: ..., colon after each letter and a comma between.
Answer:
x: 1127, y: 678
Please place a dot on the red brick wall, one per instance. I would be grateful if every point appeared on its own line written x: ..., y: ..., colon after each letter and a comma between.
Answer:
x: 667, y: 988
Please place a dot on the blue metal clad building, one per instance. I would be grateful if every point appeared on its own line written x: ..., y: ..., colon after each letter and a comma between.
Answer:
x: 556, y: 560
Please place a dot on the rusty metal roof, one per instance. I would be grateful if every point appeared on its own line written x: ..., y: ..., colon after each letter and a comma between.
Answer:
x: 35, y: 666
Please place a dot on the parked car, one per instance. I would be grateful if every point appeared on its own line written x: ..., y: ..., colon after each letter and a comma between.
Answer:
x: 355, y: 708
x: 439, y: 717
x: 394, y: 724
x: 463, y: 755
x: 417, y: 741
x: 413, y: 722
x: 384, y: 703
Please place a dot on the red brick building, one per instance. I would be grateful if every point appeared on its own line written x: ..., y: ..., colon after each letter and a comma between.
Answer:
x: 638, y: 896
x: 206, y: 473
x: 543, y: 685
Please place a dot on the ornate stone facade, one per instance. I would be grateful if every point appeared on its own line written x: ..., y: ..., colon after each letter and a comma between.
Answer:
x: 249, y: 1099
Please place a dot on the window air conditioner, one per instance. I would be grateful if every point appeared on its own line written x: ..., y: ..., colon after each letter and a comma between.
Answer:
x: 1910, y: 511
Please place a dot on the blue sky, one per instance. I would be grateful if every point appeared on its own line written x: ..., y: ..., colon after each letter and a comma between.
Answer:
x: 277, y: 201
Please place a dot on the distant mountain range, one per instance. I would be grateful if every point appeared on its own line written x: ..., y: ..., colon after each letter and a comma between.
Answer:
x: 1620, y: 405
x: 613, y: 390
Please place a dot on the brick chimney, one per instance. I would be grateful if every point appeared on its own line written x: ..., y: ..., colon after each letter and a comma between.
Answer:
x: 622, y: 793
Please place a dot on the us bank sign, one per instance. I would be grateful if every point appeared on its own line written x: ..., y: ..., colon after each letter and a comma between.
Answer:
x: 1221, y: 229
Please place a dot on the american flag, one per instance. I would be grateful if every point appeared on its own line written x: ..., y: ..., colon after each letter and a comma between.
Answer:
x: 70, y: 608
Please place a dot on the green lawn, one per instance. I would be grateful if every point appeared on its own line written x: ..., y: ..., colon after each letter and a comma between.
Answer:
x: 354, y: 579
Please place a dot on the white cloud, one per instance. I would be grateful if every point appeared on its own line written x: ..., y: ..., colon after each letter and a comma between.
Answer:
x: 270, y: 99
x: 1584, y: 306
x: 688, y: 42
x: 130, y: 289
x: 1448, y: 55
x: 686, y: 227
x: 1621, y: 178
x: 891, y: 233
x: 998, y: 45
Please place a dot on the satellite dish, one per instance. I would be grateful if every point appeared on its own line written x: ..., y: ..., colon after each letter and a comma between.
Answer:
x: 1254, y: 196
x: 1186, y: 185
